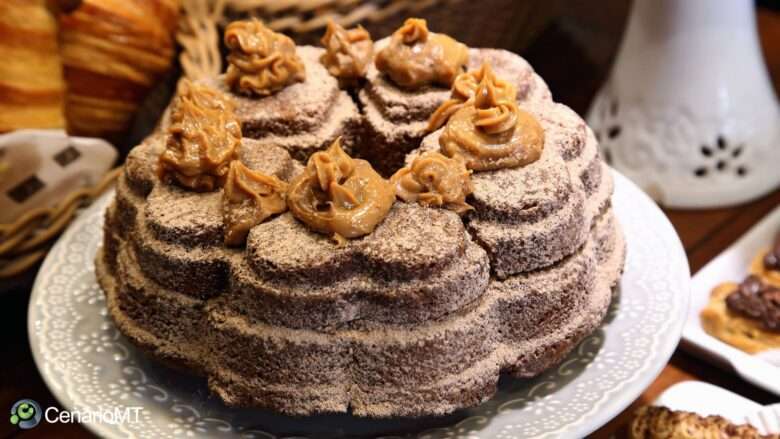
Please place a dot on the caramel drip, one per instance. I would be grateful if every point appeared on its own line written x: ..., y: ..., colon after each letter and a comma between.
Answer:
x: 435, y: 180
x: 492, y: 132
x: 416, y: 57
x: 202, y: 138
x: 261, y: 61
x: 249, y: 198
x: 347, y: 52
x: 338, y: 195
x: 463, y: 90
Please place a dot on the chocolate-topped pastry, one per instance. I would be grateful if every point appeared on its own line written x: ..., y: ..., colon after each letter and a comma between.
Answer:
x: 744, y: 315
x: 283, y: 94
x: 755, y: 299
x: 494, y: 251
x: 772, y: 257
x: 766, y: 263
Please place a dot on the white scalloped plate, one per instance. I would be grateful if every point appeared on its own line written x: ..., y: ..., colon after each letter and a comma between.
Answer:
x: 87, y: 364
x: 732, y: 265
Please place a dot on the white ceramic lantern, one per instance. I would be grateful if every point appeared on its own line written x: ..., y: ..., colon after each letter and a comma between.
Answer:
x: 688, y: 111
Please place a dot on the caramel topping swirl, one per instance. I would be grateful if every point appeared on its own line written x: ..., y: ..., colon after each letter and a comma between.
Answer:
x: 339, y: 195
x: 261, y: 61
x: 757, y: 300
x: 416, y: 57
x: 249, y: 198
x: 347, y: 52
x: 435, y: 180
x: 202, y: 138
x: 492, y: 132
x: 463, y: 90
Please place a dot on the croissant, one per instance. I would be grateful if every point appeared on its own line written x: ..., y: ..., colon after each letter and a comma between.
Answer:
x: 113, y: 52
x: 31, y: 85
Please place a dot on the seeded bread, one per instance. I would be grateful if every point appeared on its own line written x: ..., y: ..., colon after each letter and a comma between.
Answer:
x: 652, y: 422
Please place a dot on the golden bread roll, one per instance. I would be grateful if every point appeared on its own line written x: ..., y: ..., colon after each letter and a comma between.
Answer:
x: 660, y: 422
x: 114, y: 51
x: 31, y: 85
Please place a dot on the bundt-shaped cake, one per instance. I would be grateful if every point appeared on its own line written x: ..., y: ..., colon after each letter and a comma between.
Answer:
x: 318, y: 285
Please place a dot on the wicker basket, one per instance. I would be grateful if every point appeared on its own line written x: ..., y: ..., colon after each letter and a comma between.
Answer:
x: 489, y: 23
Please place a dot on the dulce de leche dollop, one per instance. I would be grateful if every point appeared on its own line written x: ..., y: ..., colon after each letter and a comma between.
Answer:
x: 347, y: 52
x: 463, y: 90
x: 435, y: 180
x: 261, y: 61
x: 492, y: 132
x: 340, y: 196
x: 202, y: 138
x: 416, y: 57
x: 249, y: 198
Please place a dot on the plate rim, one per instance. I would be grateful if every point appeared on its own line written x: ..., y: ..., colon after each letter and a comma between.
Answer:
x: 619, y: 402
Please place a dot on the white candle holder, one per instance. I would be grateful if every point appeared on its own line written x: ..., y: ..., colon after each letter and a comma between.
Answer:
x: 689, y: 112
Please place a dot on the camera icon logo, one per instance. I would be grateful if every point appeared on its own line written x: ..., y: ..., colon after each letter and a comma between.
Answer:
x: 26, y: 413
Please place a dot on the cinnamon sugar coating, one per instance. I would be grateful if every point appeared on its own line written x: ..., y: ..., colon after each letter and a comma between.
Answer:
x: 304, y: 117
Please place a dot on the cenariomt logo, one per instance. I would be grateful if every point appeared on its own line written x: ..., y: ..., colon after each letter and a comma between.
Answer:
x: 27, y: 413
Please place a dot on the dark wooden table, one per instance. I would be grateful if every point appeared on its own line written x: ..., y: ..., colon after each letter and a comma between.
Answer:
x: 555, y: 54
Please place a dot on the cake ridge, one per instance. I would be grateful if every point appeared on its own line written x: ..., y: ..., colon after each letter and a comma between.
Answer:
x: 300, y: 117
x: 524, y: 365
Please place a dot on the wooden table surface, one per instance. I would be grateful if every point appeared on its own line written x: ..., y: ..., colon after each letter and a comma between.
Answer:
x: 704, y: 233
